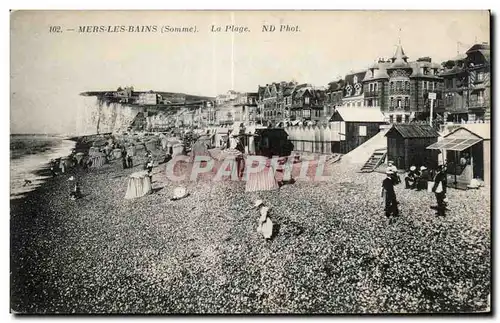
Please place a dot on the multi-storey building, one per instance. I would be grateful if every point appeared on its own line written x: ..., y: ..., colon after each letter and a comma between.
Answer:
x: 353, y: 90
x: 401, y: 88
x: 467, y: 86
x: 271, y: 103
x: 307, y: 103
x: 333, y: 96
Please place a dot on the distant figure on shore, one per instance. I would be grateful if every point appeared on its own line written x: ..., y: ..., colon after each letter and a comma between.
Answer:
x: 53, y: 168
x: 389, y: 195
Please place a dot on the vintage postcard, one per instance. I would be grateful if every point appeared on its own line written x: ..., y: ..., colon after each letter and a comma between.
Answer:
x: 250, y: 162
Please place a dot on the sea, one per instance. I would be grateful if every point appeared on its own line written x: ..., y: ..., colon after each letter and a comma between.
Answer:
x: 30, y: 153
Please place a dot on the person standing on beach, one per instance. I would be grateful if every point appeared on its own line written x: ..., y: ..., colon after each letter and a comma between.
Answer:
x: 124, y: 159
x: 439, y: 189
x: 389, y: 195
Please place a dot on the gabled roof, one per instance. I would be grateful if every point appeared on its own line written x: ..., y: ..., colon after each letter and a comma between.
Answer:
x: 413, y: 131
x: 358, y: 114
x: 482, y: 130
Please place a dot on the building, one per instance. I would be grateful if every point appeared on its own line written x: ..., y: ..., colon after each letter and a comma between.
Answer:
x: 352, y: 126
x: 467, y: 88
x: 271, y: 103
x: 353, y: 90
x: 148, y: 98
x: 307, y: 103
x: 403, y: 89
x: 333, y: 96
x: 407, y: 146
x: 246, y: 107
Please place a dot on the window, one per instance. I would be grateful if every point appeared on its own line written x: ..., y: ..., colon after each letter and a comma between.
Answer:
x: 306, y: 100
x: 375, y: 86
x: 407, y: 102
x: 398, y: 85
x: 306, y: 113
x: 358, y: 104
x: 391, y: 119
x: 480, y: 76
x: 392, y: 86
x: 391, y: 105
x: 425, y: 85
x: 407, y: 85
x: 398, y: 102
x: 358, y: 88
x: 362, y: 131
x: 407, y: 118
x: 355, y: 79
x: 399, y: 119
x: 370, y: 87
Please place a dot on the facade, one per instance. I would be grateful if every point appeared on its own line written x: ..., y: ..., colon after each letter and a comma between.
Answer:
x: 271, y: 101
x: 307, y: 103
x: 353, y: 90
x: 333, y: 96
x: 401, y: 88
x: 467, y: 88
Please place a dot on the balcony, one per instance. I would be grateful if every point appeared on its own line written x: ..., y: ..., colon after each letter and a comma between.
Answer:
x: 372, y: 93
x: 479, y: 103
x: 400, y: 108
x: 399, y: 92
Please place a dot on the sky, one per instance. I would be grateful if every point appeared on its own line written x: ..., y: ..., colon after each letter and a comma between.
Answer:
x: 49, y: 70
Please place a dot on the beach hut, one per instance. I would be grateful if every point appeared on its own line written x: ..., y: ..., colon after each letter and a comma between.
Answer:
x: 355, y: 125
x: 272, y: 142
x: 468, y: 152
x: 407, y: 145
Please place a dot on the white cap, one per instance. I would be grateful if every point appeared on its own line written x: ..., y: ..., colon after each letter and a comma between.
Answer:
x: 258, y: 203
x: 412, y: 168
x: 389, y: 171
x: 423, y: 168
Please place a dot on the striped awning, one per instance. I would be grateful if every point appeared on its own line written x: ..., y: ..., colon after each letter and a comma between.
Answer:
x: 455, y: 144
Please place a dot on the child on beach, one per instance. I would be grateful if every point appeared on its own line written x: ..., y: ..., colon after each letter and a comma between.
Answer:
x: 76, y: 192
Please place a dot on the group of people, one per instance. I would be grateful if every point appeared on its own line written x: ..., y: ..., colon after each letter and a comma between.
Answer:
x: 126, y: 159
x: 417, y: 178
x: 414, y: 180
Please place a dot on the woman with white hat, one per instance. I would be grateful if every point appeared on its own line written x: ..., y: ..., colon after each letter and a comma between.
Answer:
x: 423, y: 179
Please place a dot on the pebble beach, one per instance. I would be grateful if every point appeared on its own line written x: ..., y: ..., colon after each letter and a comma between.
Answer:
x: 333, y: 250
